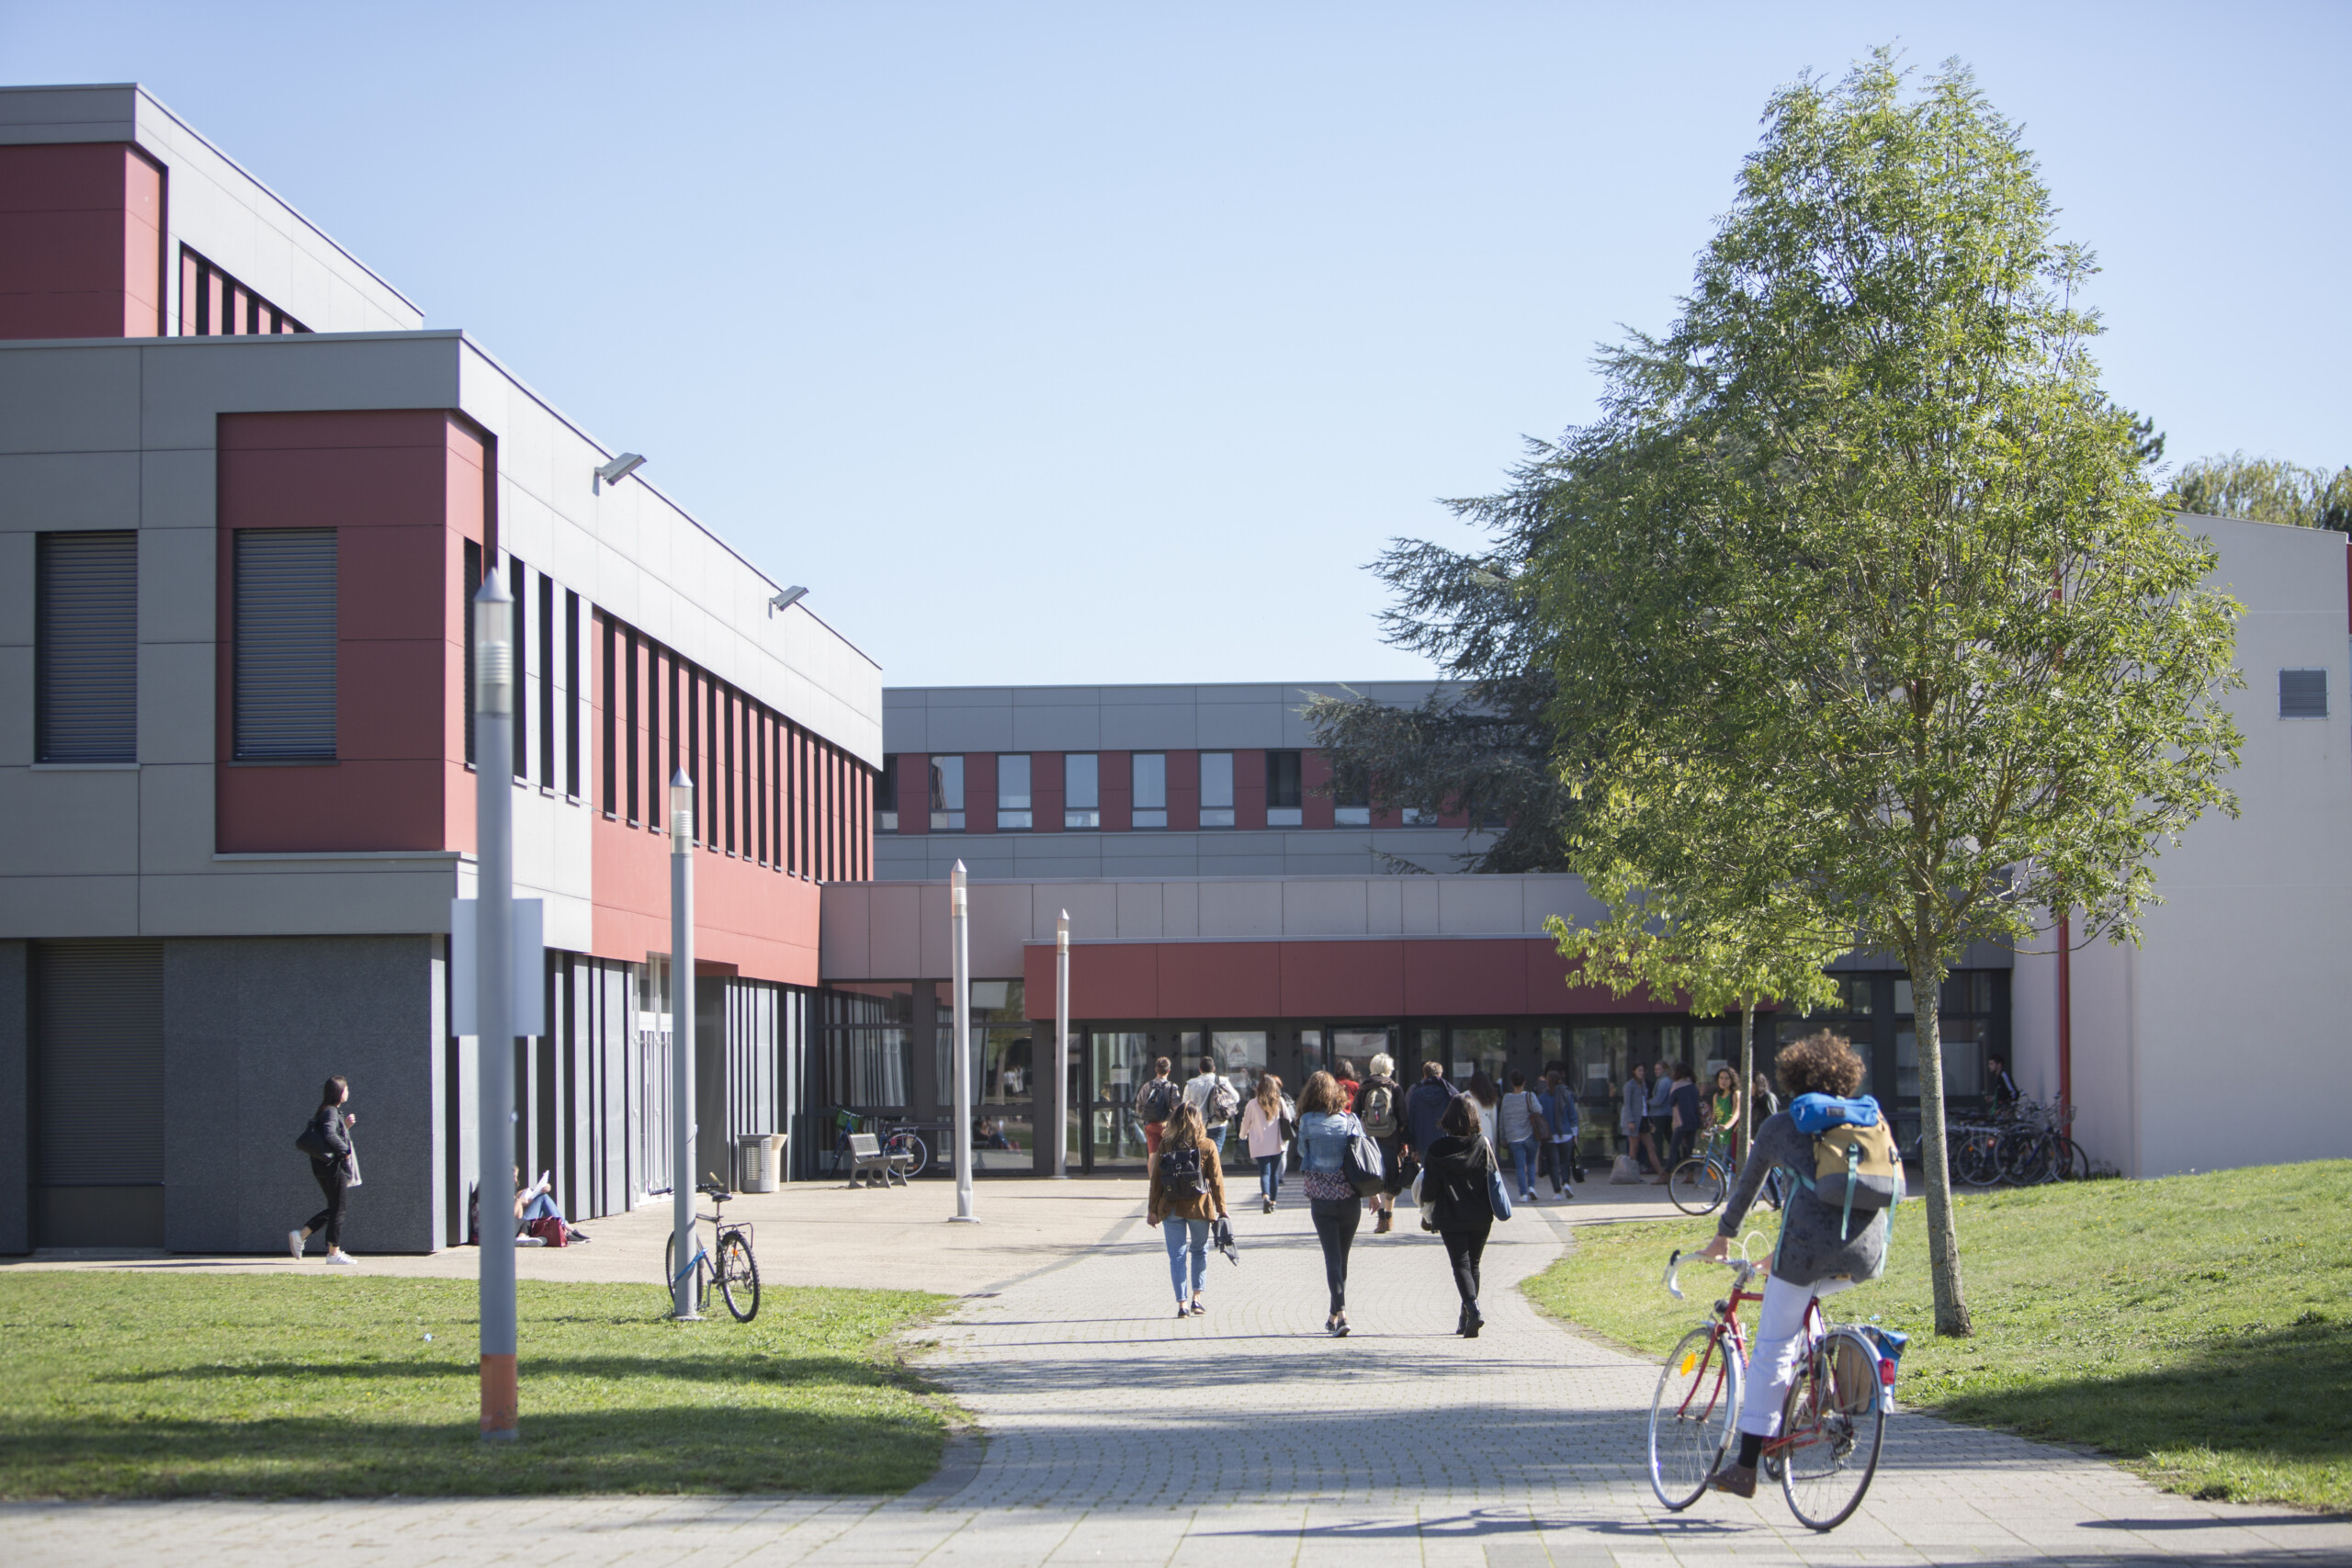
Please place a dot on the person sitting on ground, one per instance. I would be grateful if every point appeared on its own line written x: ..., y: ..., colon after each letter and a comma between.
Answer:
x: 1815, y: 1256
x: 535, y: 1203
x: 990, y: 1136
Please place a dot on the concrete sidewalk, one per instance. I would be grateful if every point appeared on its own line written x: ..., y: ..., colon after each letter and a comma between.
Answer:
x: 1118, y: 1434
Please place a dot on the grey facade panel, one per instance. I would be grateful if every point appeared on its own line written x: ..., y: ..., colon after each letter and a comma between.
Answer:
x: 1117, y: 719
x: 1337, y: 852
x: 99, y: 1066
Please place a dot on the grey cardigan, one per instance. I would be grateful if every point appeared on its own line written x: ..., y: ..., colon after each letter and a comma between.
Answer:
x: 1810, y: 1249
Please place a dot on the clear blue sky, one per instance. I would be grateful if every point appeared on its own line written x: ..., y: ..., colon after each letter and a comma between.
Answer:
x: 1106, y: 343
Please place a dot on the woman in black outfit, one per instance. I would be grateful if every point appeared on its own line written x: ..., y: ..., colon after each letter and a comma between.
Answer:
x: 331, y: 1124
x: 1455, y: 1185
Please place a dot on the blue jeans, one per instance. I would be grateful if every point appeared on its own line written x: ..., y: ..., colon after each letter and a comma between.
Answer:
x: 1522, y: 1161
x: 1178, y: 1232
x: 1218, y: 1134
x: 1269, y: 1175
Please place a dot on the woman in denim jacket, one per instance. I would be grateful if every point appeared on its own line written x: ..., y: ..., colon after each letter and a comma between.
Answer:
x: 1326, y: 1127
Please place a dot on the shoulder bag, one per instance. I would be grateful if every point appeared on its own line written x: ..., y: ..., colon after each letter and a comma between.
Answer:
x: 1362, y: 1165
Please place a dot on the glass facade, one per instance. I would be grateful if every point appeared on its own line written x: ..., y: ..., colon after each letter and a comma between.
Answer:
x: 947, y: 795
x: 1012, y: 812
x: 1216, y: 789
x: 1082, y: 791
x: 1285, y: 800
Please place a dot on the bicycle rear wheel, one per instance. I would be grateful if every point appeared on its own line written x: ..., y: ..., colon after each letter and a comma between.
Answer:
x: 1692, y: 1416
x: 908, y: 1151
x: 1697, y: 1185
x: 1977, y: 1161
x: 738, y: 1276
x: 1830, y: 1430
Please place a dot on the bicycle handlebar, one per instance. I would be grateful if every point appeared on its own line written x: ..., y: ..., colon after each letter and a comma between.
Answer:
x: 1675, y: 1260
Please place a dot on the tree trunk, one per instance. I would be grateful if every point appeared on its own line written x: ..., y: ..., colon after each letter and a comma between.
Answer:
x: 1746, y: 1081
x: 1943, y: 1239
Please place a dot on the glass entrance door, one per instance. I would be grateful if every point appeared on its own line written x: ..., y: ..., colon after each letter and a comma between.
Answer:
x: 1118, y: 1064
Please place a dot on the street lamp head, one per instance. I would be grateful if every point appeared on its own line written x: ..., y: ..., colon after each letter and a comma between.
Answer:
x: 681, y: 813
x: 1061, y: 927
x: 616, y: 470
x: 493, y: 647
x: 786, y: 600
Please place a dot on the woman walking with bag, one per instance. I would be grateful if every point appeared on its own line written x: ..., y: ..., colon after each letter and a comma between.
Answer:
x: 1263, y: 1121
x: 327, y: 1140
x: 1459, y: 1184
x: 1524, y: 1125
x: 1188, y: 1193
x: 1326, y: 1128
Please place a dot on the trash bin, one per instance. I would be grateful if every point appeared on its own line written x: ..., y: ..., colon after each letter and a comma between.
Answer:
x: 755, y: 1162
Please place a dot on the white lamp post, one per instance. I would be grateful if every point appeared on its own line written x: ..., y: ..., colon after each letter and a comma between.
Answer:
x: 493, y: 700
x: 1061, y: 1047
x: 959, y: 921
x: 681, y: 1043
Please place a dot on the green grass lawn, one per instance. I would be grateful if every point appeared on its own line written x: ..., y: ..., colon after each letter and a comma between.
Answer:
x: 120, y: 1383
x: 2199, y: 1328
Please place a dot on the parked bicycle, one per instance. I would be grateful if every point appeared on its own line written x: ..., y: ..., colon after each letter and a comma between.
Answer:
x: 727, y: 1262
x: 909, y: 1154
x: 1699, y: 1184
x: 2024, y: 1147
x: 1832, y: 1424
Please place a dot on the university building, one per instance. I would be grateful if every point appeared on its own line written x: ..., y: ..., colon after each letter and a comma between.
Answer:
x: 246, y: 498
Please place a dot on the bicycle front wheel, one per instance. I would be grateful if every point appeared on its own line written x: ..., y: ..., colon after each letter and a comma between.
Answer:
x: 1830, y: 1430
x: 670, y: 1276
x: 1697, y: 1185
x: 739, y: 1278
x: 1976, y: 1162
x: 1692, y: 1416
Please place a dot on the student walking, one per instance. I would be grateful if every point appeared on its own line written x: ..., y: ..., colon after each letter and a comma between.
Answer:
x: 1682, y: 1102
x: 1379, y: 1104
x: 1423, y: 1107
x: 1346, y: 1075
x: 1633, y: 1116
x: 1565, y: 1123
x: 1524, y: 1128
x: 1660, y: 1120
x: 1325, y: 1130
x: 1187, y: 1199
x: 1457, y: 1176
x: 1262, y: 1129
x: 1489, y: 1096
x: 1155, y: 1102
x: 1212, y: 1094
x: 333, y: 1165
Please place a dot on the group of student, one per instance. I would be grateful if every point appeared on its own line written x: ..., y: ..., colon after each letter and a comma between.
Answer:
x: 1662, y: 1113
x: 1438, y: 1139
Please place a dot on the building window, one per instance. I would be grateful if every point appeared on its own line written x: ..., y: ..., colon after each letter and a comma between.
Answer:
x: 547, y: 683
x: 886, y: 797
x: 1082, y: 791
x: 85, y: 648
x: 947, y: 795
x: 571, y: 694
x: 473, y: 586
x: 1216, y: 789
x: 285, y: 665
x: 518, y: 587
x: 2302, y: 694
x: 1283, y: 799
x: 1352, y: 800
x: 213, y: 304
x: 1013, y: 792
x: 1420, y: 816
x: 1149, y: 772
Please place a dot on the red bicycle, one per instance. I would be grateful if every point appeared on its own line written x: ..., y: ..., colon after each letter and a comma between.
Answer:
x: 1831, y: 1424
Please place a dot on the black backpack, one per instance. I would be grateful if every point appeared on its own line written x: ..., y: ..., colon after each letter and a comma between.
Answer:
x: 1160, y: 1097
x: 1179, y: 1171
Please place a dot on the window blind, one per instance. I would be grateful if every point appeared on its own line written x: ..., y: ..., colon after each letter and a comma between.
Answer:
x: 285, y: 644
x: 87, y: 647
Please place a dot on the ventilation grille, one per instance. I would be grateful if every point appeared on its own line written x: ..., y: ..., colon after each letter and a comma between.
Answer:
x: 285, y: 636
x: 88, y: 636
x: 2302, y: 694
x: 98, y: 1042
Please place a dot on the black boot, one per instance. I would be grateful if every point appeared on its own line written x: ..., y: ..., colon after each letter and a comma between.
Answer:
x: 1461, y: 1319
x: 1471, y: 1321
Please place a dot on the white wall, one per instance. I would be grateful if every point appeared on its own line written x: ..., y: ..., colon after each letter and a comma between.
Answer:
x: 2221, y: 1041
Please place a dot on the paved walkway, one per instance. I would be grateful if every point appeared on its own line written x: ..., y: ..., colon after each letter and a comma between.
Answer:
x: 1118, y: 1435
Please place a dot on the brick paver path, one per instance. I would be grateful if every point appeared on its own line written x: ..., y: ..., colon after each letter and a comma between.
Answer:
x: 1118, y: 1435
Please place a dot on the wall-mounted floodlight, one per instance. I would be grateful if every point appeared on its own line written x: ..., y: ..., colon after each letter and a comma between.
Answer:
x: 616, y: 470
x: 786, y: 600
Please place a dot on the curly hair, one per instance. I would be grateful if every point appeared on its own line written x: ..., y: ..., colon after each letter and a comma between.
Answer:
x: 1821, y: 1063
x: 1321, y: 1093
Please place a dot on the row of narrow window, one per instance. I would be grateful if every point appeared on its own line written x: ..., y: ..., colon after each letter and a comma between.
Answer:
x: 213, y: 304
x: 547, y: 715
x: 767, y: 789
x: 1147, y: 793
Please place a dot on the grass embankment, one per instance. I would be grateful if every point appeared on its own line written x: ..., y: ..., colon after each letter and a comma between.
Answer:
x: 133, y: 1384
x: 2199, y: 1327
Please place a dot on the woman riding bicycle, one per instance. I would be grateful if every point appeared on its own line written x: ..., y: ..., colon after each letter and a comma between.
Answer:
x: 1813, y: 1258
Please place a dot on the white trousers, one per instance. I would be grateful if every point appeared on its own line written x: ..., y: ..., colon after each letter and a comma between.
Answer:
x: 1779, y: 1344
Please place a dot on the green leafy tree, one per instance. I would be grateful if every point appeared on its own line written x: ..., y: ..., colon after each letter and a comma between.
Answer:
x: 2266, y: 491
x: 1860, y: 543
x: 1704, y: 915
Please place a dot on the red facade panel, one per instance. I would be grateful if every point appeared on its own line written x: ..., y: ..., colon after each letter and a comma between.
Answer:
x: 1183, y: 792
x: 1116, y: 769
x: 914, y: 792
x: 1339, y: 979
x: 1465, y: 975
x: 81, y: 242
x: 1224, y: 979
x: 1048, y: 789
x: 980, y: 792
x: 1250, y: 791
x: 1315, y: 775
x: 384, y: 480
